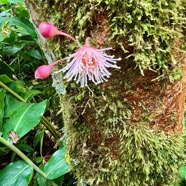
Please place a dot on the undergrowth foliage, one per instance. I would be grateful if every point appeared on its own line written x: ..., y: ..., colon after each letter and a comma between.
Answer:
x: 27, y: 138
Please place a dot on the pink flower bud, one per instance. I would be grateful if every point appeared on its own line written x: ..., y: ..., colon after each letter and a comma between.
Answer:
x: 43, y: 71
x: 47, y: 30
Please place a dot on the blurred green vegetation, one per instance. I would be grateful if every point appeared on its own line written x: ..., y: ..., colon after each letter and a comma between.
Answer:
x: 21, y: 95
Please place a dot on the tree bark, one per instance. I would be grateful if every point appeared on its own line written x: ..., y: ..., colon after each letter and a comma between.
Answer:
x: 127, y: 131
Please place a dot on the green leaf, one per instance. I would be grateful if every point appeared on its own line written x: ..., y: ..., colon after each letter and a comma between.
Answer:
x: 11, y: 105
x: 11, y: 39
x: 59, y: 180
x: 2, y: 105
x: 35, y: 53
x: 23, y: 23
x: 40, y: 180
x: 24, y: 119
x: 2, y: 36
x: 28, y: 95
x: 5, y: 79
x: 183, y: 172
x: 43, y: 182
x: 17, y: 86
x: 25, y: 148
x: 39, y: 135
x: 17, y: 173
x: 39, y: 159
x: 9, y: 50
x: 57, y: 165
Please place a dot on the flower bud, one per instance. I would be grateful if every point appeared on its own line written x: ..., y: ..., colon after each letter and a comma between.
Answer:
x: 42, y: 72
x: 48, y: 30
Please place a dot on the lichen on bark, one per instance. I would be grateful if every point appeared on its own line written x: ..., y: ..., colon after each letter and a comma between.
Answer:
x: 127, y: 131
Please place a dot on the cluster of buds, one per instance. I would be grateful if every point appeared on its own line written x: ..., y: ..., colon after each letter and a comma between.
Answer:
x: 86, y: 64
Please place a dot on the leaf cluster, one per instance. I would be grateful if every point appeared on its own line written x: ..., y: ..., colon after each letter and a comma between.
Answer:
x: 23, y: 128
x: 19, y: 49
x: 18, y: 119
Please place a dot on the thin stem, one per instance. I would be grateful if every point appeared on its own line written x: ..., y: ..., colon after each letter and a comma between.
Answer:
x: 66, y: 35
x: 50, y: 127
x: 45, y: 122
x: 26, y: 159
x: 59, y: 60
x: 12, y: 92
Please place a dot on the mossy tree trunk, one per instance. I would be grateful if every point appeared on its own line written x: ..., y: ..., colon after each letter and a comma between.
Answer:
x: 127, y: 131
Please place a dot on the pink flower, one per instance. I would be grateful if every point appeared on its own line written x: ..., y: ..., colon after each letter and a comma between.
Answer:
x: 89, y: 63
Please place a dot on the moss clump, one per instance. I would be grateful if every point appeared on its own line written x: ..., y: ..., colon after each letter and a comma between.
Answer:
x: 151, y: 28
x: 109, y: 150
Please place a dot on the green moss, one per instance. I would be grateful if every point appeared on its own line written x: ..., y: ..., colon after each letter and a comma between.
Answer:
x: 106, y: 148
x: 109, y: 150
x: 151, y: 28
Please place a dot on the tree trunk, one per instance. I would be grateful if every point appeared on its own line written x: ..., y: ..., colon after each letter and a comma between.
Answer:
x: 127, y: 131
